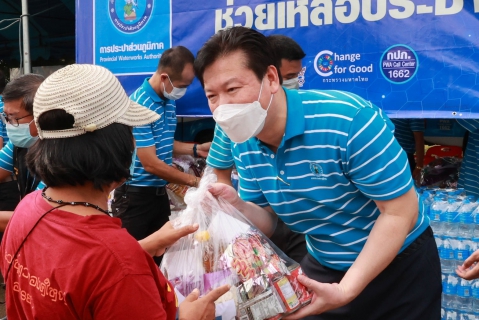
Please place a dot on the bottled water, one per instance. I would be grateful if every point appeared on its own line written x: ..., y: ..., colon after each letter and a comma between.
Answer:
x: 452, y: 314
x: 463, y: 298
x: 462, y: 250
x: 438, y: 205
x: 449, y: 300
x: 475, y: 295
x: 465, y: 219
x: 448, y: 263
x: 449, y: 218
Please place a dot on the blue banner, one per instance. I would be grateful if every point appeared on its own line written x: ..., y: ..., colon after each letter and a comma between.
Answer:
x: 415, y: 59
x: 129, y: 36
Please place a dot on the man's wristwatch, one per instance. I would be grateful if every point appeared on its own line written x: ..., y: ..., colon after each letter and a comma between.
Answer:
x: 195, y: 153
x: 420, y: 168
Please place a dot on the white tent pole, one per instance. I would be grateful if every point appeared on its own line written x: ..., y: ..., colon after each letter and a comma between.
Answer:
x: 27, y: 66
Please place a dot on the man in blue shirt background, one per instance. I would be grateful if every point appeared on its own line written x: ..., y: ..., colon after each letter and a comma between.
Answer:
x: 328, y: 165
x: 142, y: 203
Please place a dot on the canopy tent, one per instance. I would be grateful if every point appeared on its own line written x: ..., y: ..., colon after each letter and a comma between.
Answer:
x: 52, y: 32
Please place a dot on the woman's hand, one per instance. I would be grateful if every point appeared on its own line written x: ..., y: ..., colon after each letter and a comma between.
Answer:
x: 203, y: 308
x: 156, y: 243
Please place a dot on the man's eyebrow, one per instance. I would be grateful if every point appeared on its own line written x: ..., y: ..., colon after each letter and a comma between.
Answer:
x: 227, y: 82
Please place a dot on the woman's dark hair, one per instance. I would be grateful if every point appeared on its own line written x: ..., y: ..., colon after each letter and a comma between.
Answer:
x: 101, y: 157
x: 255, y: 46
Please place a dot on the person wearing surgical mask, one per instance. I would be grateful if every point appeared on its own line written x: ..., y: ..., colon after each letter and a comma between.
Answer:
x: 142, y: 202
x: 250, y: 120
x: 17, y: 117
x: 326, y: 162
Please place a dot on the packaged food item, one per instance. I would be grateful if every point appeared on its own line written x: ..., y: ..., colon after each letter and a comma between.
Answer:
x: 228, y: 249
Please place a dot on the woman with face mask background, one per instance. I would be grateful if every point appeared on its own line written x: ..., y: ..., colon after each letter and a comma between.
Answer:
x: 17, y: 117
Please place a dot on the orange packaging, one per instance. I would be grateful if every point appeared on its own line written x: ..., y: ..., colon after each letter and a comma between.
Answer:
x: 287, y: 294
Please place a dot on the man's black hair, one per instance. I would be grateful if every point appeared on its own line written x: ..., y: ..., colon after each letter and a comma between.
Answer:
x: 285, y: 48
x: 254, y: 45
x: 23, y: 87
x: 101, y: 157
x: 173, y: 61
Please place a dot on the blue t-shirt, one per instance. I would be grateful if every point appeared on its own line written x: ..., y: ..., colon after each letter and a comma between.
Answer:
x: 404, y: 132
x: 337, y: 155
x: 159, y: 134
x: 3, y: 128
x: 469, y: 173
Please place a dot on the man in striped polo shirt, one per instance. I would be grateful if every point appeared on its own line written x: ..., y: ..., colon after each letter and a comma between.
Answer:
x: 289, y: 55
x: 142, y: 203
x: 328, y: 165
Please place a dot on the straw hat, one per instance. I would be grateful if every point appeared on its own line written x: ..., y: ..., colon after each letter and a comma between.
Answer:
x: 93, y: 95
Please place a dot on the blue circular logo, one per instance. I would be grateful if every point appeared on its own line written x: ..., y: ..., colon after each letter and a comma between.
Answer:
x: 130, y: 16
x: 399, y: 64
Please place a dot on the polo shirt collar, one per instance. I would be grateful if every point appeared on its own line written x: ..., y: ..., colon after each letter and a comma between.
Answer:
x: 295, y: 115
x: 150, y: 92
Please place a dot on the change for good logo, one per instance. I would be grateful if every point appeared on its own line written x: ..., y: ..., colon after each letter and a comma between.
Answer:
x: 327, y: 63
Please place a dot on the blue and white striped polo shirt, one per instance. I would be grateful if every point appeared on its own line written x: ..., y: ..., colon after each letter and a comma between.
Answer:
x: 159, y: 134
x: 469, y: 173
x: 338, y: 154
x: 3, y: 128
x: 219, y: 156
x: 404, y: 132
x: 6, y: 157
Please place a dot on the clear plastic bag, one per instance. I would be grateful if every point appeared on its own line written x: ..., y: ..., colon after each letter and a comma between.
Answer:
x: 228, y: 249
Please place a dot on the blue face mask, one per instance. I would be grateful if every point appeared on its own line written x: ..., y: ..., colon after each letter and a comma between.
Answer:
x: 132, y: 166
x: 20, y: 136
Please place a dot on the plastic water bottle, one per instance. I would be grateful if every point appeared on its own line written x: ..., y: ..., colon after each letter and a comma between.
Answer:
x: 452, y: 314
x: 449, y: 299
x: 464, y: 296
x: 475, y: 295
x: 438, y: 205
x: 462, y: 250
x: 465, y: 219
x: 426, y: 199
x: 449, y: 218
x: 446, y: 255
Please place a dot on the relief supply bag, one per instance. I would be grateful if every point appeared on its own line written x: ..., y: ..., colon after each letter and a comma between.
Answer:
x: 228, y: 249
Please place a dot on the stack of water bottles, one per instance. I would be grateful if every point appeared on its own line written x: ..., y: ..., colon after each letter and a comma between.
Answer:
x: 455, y: 221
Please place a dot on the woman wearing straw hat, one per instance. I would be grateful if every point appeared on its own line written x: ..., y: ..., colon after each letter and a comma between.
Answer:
x: 63, y: 255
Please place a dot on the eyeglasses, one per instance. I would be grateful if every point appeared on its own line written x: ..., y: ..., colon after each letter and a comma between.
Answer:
x: 12, y: 121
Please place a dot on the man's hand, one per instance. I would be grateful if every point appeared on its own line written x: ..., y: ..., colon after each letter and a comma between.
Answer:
x: 465, y: 271
x: 203, y: 308
x: 203, y: 149
x: 226, y: 192
x: 326, y: 296
x: 157, y: 243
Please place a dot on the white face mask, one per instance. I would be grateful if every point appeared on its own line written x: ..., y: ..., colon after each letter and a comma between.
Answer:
x: 241, y: 121
x: 20, y: 136
x: 291, y: 83
x: 175, y: 94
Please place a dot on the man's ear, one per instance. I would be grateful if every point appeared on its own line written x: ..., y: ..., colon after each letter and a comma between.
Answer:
x: 273, y: 78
